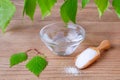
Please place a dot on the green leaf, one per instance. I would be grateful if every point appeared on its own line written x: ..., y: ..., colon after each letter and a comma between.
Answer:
x: 84, y: 3
x: 64, y: 14
x: 18, y: 58
x: 69, y: 10
x: 29, y: 8
x: 116, y: 6
x: 36, y: 65
x: 102, y: 6
x: 46, y: 6
x: 7, y: 10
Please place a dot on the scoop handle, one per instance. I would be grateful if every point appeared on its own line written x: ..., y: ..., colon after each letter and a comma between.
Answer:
x: 105, y: 44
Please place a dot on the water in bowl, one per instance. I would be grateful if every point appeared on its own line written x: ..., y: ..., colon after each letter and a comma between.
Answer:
x: 63, y: 41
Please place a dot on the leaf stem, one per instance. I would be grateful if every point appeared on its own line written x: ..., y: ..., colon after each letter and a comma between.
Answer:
x: 28, y: 50
x: 38, y: 52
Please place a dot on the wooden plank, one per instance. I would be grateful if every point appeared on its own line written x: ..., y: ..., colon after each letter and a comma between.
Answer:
x: 23, y: 34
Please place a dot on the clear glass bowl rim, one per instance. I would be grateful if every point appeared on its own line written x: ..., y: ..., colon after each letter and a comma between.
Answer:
x: 49, y: 25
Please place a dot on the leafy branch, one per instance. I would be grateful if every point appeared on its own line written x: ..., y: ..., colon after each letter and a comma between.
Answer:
x: 7, y: 10
x: 68, y: 9
x: 36, y: 65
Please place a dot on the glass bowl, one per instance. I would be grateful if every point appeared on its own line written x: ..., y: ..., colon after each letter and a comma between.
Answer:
x: 62, y: 39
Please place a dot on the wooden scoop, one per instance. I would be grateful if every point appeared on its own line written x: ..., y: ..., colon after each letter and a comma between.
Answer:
x: 91, y: 54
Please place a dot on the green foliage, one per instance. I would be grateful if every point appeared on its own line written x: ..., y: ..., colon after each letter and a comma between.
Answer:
x: 68, y: 10
x: 7, y: 10
x: 46, y: 6
x: 84, y: 3
x: 36, y: 65
x: 116, y: 6
x: 18, y: 58
x: 29, y: 7
x: 102, y: 6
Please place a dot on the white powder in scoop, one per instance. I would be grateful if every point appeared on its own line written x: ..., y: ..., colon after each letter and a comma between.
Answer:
x: 71, y: 71
x: 85, y: 57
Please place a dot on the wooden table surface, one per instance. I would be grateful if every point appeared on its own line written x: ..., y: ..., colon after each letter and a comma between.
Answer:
x: 23, y: 34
